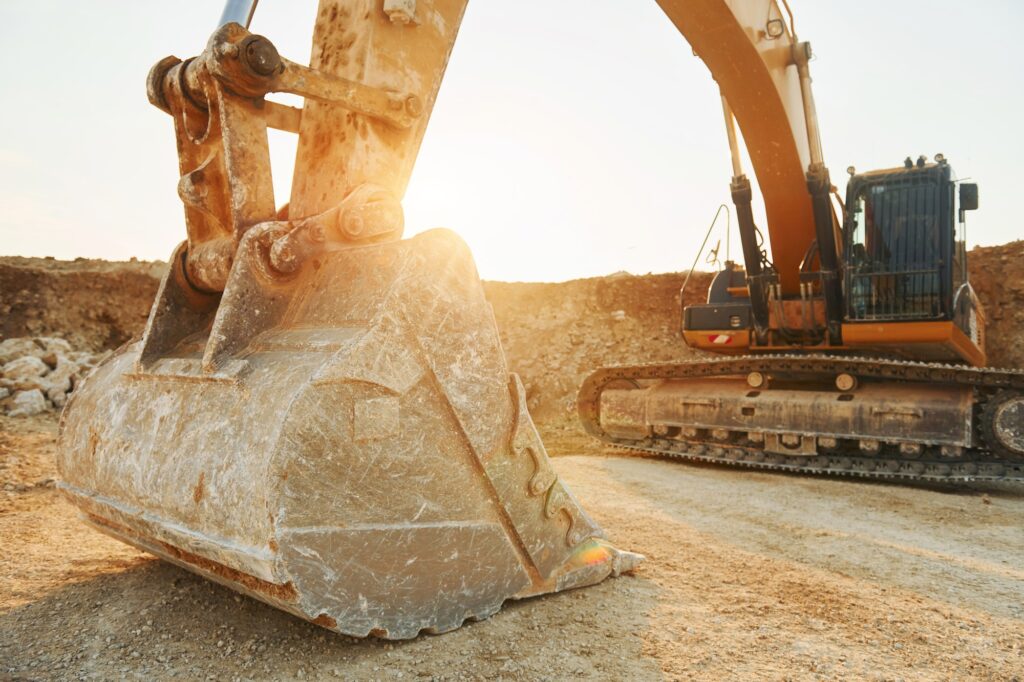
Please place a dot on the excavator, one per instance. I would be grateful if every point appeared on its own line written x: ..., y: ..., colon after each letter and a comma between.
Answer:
x: 319, y: 414
x: 857, y: 348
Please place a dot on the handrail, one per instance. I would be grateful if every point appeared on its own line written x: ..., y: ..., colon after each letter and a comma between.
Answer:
x: 792, y: 22
x: 703, y: 244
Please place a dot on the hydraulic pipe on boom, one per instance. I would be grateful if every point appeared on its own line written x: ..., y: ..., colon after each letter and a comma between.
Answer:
x: 742, y: 196
x: 820, y: 187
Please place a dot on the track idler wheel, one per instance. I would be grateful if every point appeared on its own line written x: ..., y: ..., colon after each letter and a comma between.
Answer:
x: 1002, y: 424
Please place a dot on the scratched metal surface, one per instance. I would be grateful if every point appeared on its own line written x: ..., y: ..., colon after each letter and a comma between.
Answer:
x: 356, y: 453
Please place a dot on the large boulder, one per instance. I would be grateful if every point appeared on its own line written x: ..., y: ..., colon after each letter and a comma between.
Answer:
x: 27, y: 403
x: 45, y: 348
x: 41, y: 347
x: 61, y: 381
x: 24, y: 369
x: 12, y: 349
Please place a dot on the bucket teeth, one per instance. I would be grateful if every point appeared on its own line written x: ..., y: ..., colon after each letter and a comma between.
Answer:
x: 348, y: 446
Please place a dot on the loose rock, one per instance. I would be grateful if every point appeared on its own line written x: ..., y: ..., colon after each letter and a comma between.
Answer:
x: 24, y: 368
x: 28, y: 403
x: 11, y: 349
x: 47, y: 368
x: 59, y: 382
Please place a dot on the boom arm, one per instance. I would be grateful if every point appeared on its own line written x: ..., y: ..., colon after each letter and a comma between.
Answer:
x: 375, y: 70
x: 747, y: 45
x: 750, y: 50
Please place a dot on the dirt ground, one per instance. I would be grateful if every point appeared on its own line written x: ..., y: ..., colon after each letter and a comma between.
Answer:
x: 748, y: 575
x: 553, y: 334
x: 93, y: 304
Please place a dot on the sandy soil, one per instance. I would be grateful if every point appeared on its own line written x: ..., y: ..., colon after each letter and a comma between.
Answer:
x: 95, y: 305
x: 748, y: 575
x: 554, y: 334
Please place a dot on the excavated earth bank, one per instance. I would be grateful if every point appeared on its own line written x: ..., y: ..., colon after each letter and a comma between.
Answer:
x: 749, y: 575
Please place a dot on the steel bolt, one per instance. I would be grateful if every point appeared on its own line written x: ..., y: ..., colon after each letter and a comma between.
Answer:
x: 400, y: 12
x: 413, y: 106
x: 155, y: 82
x: 283, y: 257
x: 354, y: 225
x: 261, y: 56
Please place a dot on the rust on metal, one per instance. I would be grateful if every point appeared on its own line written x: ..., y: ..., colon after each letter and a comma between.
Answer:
x: 418, y: 492
x: 285, y: 592
x: 325, y: 621
x: 197, y: 493
x: 319, y: 413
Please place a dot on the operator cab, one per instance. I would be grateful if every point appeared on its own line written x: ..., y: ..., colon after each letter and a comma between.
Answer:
x: 903, y: 268
x: 904, y: 250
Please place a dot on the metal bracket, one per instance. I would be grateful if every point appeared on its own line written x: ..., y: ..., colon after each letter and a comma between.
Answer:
x: 400, y: 11
x: 398, y: 109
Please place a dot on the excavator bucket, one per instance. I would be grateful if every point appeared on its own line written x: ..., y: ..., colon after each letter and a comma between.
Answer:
x: 319, y: 413
x: 347, y: 445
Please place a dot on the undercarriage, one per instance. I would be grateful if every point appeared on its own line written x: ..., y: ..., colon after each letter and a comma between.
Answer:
x: 842, y: 416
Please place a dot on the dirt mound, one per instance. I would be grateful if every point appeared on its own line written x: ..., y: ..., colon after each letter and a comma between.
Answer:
x: 94, y: 305
x: 556, y: 334
x: 553, y: 334
x: 997, y: 275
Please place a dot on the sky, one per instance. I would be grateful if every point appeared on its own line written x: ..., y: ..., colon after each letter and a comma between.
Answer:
x: 570, y: 139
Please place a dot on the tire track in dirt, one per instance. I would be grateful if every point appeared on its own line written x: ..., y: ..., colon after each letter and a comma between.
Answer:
x: 742, y: 614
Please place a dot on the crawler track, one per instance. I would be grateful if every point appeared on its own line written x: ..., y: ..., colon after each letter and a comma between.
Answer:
x: 975, y: 464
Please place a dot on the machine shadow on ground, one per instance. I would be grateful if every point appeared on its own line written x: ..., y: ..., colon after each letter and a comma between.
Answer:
x: 154, y: 619
x: 993, y: 489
